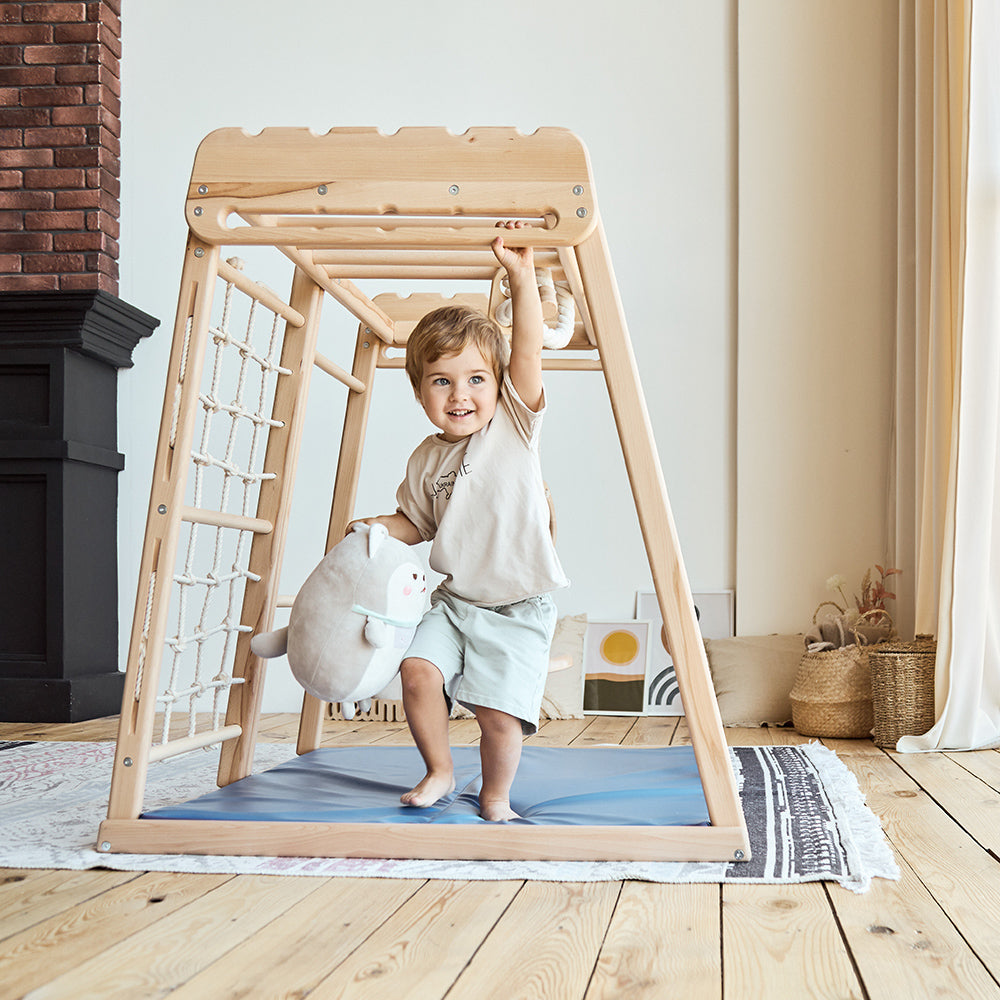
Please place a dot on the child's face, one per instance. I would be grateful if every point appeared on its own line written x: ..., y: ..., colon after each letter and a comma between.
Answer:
x: 459, y: 393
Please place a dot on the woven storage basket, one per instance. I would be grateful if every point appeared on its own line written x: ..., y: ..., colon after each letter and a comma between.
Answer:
x: 902, y: 689
x: 832, y: 694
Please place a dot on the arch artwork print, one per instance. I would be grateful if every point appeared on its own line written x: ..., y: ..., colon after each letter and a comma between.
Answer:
x: 663, y: 689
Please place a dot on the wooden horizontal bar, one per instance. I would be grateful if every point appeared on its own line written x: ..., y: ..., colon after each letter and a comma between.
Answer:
x: 331, y: 368
x: 554, y: 364
x: 160, y: 751
x: 220, y: 519
x: 411, y: 272
x: 423, y: 258
x: 487, y: 841
x: 550, y: 363
x: 391, y: 221
x: 416, y: 265
x: 261, y: 293
x: 259, y: 232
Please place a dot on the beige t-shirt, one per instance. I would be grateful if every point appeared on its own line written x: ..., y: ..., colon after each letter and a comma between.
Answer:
x: 482, y: 502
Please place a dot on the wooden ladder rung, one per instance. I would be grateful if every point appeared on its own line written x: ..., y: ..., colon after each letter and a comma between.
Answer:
x: 261, y: 293
x: 220, y: 519
x: 161, y: 751
x: 331, y: 368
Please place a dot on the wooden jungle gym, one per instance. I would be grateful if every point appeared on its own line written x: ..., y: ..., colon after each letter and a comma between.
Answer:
x: 357, y: 204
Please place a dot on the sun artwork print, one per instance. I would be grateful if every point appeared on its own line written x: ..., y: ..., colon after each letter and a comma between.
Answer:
x: 614, y: 675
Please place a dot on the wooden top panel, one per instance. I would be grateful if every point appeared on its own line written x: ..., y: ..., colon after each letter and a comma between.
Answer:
x: 416, y: 188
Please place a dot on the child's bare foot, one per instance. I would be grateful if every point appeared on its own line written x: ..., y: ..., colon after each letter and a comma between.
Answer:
x: 496, y: 810
x: 433, y: 787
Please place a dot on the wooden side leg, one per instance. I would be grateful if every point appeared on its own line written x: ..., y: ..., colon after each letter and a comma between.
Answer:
x: 163, y: 520
x: 659, y: 533
x: 281, y: 457
x: 345, y: 491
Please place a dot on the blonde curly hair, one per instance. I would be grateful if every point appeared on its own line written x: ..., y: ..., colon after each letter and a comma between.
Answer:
x: 449, y: 330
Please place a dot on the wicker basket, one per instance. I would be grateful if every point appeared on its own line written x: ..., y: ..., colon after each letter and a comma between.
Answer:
x: 902, y: 689
x: 832, y: 694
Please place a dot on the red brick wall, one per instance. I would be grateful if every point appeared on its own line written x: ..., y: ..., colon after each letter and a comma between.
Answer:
x: 60, y: 106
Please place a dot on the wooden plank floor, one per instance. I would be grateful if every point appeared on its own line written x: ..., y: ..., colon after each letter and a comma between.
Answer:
x: 101, y: 934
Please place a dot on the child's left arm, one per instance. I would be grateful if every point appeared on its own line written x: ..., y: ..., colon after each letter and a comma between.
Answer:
x: 527, y: 324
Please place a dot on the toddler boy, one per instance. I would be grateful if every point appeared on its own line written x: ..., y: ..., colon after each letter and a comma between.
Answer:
x: 475, y: 490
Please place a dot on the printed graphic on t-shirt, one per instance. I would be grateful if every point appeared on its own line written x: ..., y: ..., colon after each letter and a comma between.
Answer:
x: 446, y: 482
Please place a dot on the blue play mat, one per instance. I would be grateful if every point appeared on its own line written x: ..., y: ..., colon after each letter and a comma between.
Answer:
x: 612, y: 786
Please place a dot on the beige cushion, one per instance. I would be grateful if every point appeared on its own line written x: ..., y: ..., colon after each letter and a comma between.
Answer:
x: 752, y: 677
x: 563, y: 698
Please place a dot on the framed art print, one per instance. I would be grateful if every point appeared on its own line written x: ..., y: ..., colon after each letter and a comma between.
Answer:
x: 615, y: 666
x: 714, y: 610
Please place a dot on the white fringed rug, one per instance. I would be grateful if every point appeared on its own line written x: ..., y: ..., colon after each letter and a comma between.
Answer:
x: 806, y: 817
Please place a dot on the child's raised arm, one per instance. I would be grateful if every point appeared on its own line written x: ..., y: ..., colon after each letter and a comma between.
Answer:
x: 527, y: 325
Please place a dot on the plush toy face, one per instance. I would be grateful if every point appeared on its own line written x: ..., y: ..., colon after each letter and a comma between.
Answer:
x: 405, y: 592
x: 346, y: 634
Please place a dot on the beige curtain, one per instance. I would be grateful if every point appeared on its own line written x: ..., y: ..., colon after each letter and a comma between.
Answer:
x: 948, y: 357
x: 931, y: 189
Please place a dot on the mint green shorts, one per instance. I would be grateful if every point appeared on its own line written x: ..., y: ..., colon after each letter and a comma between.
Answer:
x: 491, y: 657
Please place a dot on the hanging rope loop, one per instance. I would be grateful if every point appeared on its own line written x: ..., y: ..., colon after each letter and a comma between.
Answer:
x: 556, y: 335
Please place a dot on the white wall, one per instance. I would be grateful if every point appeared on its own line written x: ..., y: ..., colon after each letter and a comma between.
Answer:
x: 817, y: 275
x: 651, y: 90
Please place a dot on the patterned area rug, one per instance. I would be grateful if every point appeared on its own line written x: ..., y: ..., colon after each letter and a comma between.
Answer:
x: 806, y: 817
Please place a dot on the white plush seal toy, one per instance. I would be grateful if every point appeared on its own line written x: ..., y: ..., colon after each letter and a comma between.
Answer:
x: 352, y: 620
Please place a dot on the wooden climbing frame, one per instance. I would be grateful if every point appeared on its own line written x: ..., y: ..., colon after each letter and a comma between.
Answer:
x: 357, y: 204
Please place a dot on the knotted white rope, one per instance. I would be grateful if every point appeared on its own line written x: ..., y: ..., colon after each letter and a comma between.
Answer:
x: 556, y: 335
x: 200, y: 632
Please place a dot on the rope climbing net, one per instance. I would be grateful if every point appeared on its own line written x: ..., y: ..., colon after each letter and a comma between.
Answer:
x: 227, y: 470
